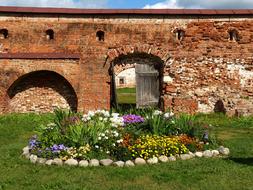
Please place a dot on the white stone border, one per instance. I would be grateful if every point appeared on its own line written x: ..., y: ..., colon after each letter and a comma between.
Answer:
x: 221, y: 151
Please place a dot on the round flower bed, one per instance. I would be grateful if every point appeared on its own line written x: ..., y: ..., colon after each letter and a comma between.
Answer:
x: 104, y: 138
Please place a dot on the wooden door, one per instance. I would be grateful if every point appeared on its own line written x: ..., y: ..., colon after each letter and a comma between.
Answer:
x: 147, y: 86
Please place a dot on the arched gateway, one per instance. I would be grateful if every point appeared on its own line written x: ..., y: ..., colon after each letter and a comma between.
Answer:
x: 148, y: 72
x: 41, y: 91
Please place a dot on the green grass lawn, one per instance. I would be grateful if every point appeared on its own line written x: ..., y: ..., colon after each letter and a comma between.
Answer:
x: 126, y: 95
x: 232, y: 173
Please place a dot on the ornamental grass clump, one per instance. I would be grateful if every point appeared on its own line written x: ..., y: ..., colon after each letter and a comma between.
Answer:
x: 149, y: 146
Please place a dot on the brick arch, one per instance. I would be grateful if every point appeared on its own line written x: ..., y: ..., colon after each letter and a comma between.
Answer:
x: 41, y: 91
x: 115, y: 53
x: 118, y: 68
x: 145, y: 54
x: 16, y: 73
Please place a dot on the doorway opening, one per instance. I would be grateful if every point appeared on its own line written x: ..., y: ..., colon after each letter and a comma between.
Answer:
x: 136, y: 81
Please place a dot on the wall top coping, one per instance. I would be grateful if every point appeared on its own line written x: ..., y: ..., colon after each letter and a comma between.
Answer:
x: 72, y: 11
x: 39, y: 56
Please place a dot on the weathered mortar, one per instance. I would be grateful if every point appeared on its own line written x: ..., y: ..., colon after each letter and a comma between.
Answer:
x: 201, y: 70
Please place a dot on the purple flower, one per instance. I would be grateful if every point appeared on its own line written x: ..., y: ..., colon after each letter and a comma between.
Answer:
x: 131, y: 118
x: 73, y: 120
x: 58, y: 148
x: 33, y: 142
x: 61, y: 147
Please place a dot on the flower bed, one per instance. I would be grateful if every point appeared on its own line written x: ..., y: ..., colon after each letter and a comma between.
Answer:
x: 113, y: 138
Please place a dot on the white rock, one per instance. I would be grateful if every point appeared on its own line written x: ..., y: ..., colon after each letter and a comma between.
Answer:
x: 26, y: 150
x: 83, y: 163
x: 223, y: 151
x: 106, y: 162
x: 153, y: 160
x: 215, y: 152
x: 139, y: 161
x: 94, y: 162
x: 163, y: 159
x: 185, y: 157
x: 27, y: 156
x: 172, y: 158
x: 129, y: 163
x: 119, y: 164
x: 191, y: 154
x: 199, y: 154
x: 41, y: 160
x: 71, y: 162
x: 57, y: 161
x: 33, y: 158
x: 49, y: 162
x: 207, y: 154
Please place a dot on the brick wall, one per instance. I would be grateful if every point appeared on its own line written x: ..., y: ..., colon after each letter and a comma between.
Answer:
x: 205, y: 67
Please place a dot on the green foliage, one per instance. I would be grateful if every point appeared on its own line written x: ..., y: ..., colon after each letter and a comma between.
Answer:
x: 156, y: 124
x: 49, y: 135
x: 76, y: 135
x: 184, y: 124
x: 94, y: 128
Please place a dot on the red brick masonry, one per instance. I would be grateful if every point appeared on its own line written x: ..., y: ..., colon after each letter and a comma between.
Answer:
x: 209, y: 68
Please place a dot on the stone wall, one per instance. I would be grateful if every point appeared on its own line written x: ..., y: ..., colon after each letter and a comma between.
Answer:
x: 203, y: 72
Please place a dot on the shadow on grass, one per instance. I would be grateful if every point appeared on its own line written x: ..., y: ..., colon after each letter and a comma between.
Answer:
x: 245, y: 161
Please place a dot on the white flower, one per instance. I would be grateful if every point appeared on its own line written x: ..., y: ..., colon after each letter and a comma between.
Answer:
x: 115, y: 114
x: 86, y: 118
x: 106, y: 137
x: 167, y: 115
x: 157, y: 112
x: 105, y: 119
x: 107, y: 152
x: 96, y: 146
x: 100, y: 119
x: 51, y: 125
x: 106, y: 113
x: 99, y: 138
x: 102, y: 134
x: 116, y: 134
x: 91, y: 113
x: 113, y: 144
x: 98, y: 111
x: 117, y: 121
x: 119, y: 141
